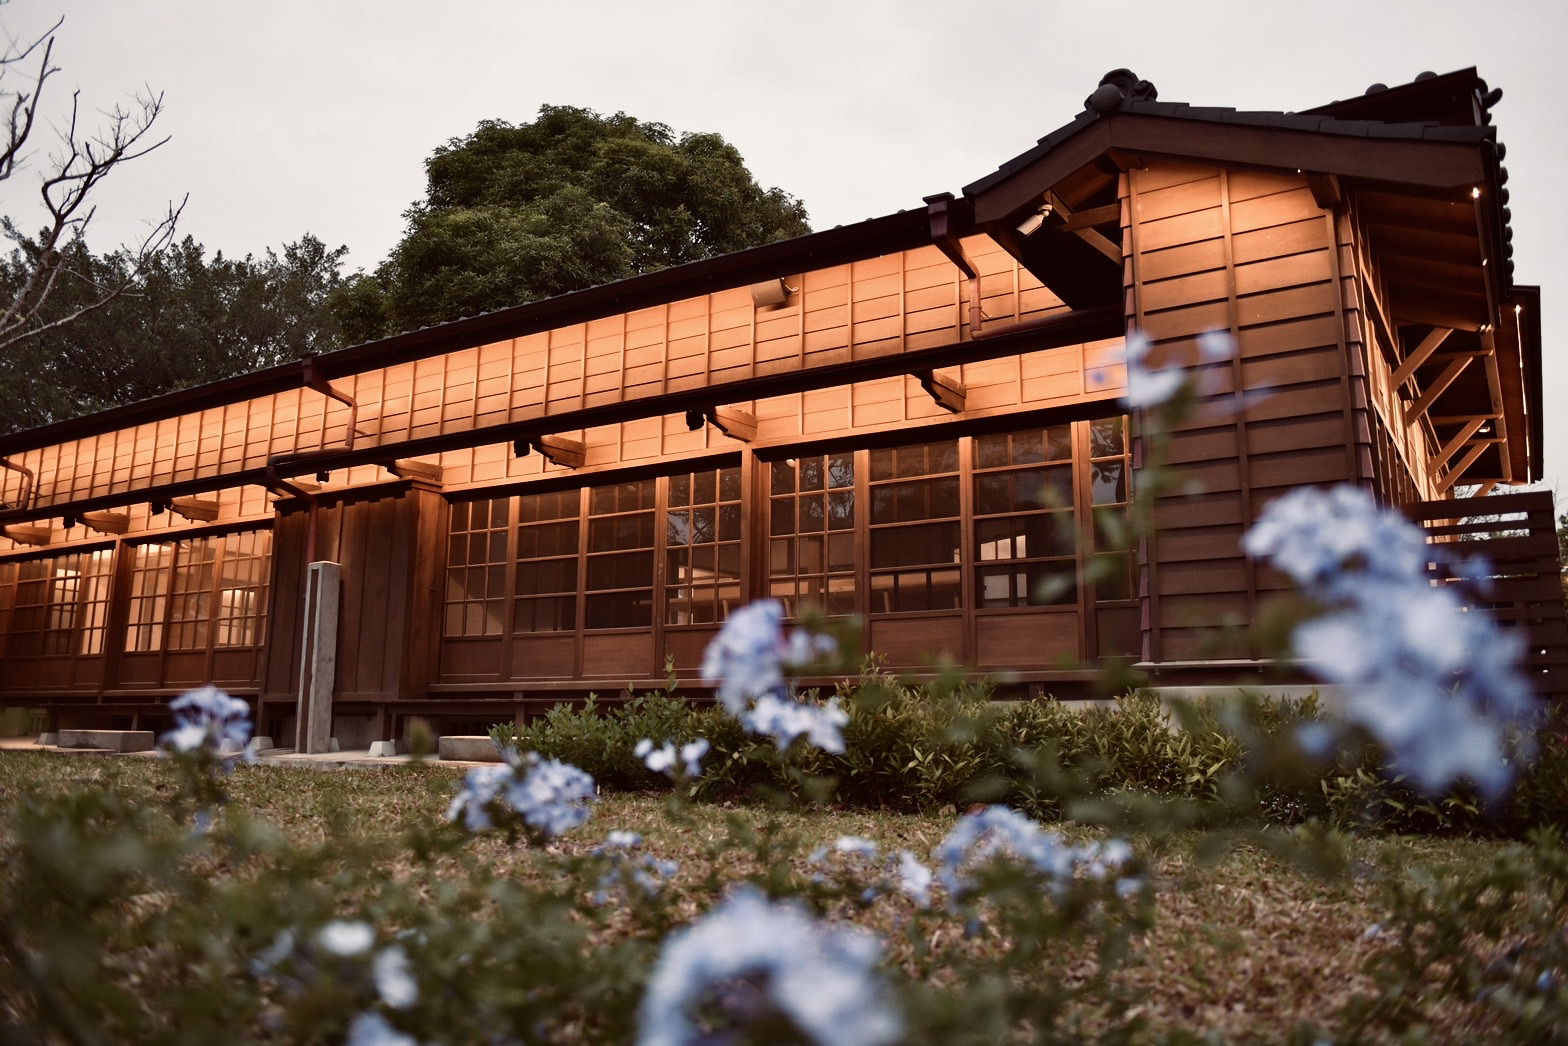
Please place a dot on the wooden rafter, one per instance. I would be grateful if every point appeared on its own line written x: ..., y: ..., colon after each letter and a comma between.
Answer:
x: 1451, y: 372
x: 945, y: 387
x: 1083, y: 230
x: 1452, y: 476
x: 1420, y: 354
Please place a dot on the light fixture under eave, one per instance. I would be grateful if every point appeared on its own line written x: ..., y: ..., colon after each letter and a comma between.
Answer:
x: 1031, y: 224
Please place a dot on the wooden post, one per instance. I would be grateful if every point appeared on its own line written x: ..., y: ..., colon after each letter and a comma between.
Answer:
x: 318, y: 658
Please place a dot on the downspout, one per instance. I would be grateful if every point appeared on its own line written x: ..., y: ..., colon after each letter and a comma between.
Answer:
x: 316, y: 380
x: 939, y: 212
x: 27, y: 480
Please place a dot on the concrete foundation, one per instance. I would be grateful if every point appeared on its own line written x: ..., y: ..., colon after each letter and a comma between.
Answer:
x: 107, y: 740
x: 468, y: 748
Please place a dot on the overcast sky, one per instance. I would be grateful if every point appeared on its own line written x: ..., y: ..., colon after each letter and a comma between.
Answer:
x: 292, y: 116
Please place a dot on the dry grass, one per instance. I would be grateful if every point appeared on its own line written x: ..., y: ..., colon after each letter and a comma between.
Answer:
x: 1246, y: 946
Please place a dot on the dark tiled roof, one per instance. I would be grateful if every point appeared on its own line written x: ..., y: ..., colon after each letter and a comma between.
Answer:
x: 1355, y: 118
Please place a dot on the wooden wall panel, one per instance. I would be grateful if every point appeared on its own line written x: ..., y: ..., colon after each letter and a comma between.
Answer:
x: 1251, y: 254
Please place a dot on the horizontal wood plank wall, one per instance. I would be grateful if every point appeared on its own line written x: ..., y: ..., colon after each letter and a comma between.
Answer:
x: 1249, y: 253
x: 1371, y: 320
x: 867, y: 309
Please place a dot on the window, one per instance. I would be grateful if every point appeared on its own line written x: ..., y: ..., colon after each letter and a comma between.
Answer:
x: 197, y: 593
x: 547, y: 544
x: 476, y: 568
x: 1025, y: 537
x: 61, y: 605
x: 585, y: 558
x: 618, y: 591
x: 702, y: 547
x: 811, y: 533
x: 915, y: 523
x: 1110, y: 494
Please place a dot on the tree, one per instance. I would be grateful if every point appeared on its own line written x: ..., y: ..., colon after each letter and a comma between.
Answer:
x: 517, y: 213
x: 55, y: 254
x: 183, y: 319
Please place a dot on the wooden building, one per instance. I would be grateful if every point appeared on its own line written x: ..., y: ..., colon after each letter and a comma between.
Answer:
x: 911, y: 420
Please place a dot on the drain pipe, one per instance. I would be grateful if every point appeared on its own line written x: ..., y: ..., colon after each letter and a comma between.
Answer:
x: 315, y: 379
x: 27, y: 480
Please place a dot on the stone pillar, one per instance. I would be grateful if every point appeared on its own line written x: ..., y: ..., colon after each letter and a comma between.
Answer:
x: 318, y: 659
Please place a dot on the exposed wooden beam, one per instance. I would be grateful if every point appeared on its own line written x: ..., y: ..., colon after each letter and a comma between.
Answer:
x: 1111, y: 212
x: 735, y: 423
x: 423, y: 471
x: 196, y: 510
x: 559, y: 450
x: 1451, y: 448
x: 1458, y: 470
x: 945, y: 388
x: 1436, y: 389
x: 1419, y: 354
x: 28, y: 535
x: 107, y: 522
x: 1325, y: 190
x: 1088, y: 235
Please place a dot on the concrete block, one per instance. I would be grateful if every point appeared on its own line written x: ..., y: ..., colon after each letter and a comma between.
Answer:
x: 49, y: 739
x: 110, y: 740
x: 333, y: 746
x: 262, y: 743
x: 382, y: 749
x: 478, y: 748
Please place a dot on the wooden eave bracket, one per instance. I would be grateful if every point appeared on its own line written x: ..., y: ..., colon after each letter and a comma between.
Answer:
x: 1080, y: 224
x: 945, y: 387
x: 195, y: 509
x: 735, y: 423
x: 107, y: 522
x: 559, y: 450
x: 1326, y: 190
x: 28, y: 535
x: 422, y: 471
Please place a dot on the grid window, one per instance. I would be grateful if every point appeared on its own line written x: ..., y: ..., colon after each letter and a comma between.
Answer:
x: 151, y: 566
x: 62, y: 605
x: 811, y: 533
x: 618, y: 565
x: 702, y: 546
x: 547, y: 546
x: 242, y: 589
x: 1025, y: 539
x: 914, y: 528
x: 1110, y: 476
x: 476, y: 567
x: 198, y: 593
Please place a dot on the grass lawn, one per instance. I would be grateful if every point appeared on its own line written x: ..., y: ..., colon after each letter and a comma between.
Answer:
x: 1245, y: 945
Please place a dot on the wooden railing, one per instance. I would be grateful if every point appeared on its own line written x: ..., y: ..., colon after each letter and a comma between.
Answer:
x: 1517, y: 535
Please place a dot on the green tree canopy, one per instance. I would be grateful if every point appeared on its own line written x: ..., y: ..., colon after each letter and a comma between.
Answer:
x: 183, y: 320
x: 517, y: 213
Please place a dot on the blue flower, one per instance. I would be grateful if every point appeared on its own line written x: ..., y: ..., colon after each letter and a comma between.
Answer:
x: 394, y: 977
x: 750, y: 960
x: 662, y: 760
x: 346, y: 939
x: 998, y: 831
x: 749, y: 660
x: 1436, y: 685
x: 629, y: 869
x: 372, y: 1029
x: 547, y: 795
x: 209, y: 720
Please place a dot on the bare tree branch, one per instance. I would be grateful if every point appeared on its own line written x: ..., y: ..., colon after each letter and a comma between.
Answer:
x: 67, y: 184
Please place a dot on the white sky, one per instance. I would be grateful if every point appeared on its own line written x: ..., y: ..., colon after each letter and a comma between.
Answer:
x: 316, y: 115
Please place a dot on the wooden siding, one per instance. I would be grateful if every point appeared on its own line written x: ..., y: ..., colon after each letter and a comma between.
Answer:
x: 389, y: 542
x: 1249, y: 253
x: 876, y: 308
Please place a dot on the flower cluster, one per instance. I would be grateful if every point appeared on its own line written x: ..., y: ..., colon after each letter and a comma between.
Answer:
x: 550, y: 797
x: 751, y: 962
x: 905, y: 873
x: 998, y: 831
x: 344, y: 946
x: 631, y: 874
x: 662, y: 760
x: 210, y: 722
x: 750, y: 660
x: 1435, y: 685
